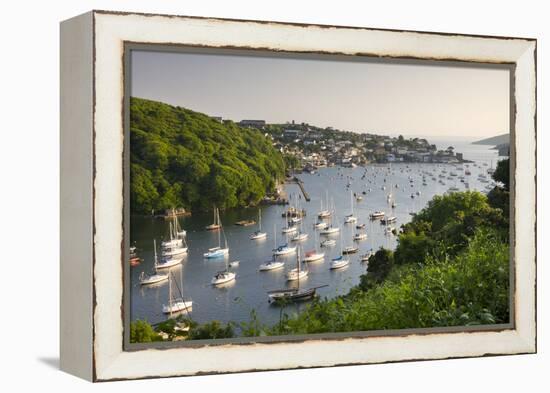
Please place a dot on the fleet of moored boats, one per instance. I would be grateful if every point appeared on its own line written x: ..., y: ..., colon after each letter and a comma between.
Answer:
x: 174, y: 249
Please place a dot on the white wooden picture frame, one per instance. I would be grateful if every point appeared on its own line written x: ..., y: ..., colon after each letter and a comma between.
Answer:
x: 92, y: 196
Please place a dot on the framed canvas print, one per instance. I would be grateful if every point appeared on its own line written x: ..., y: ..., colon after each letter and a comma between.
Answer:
x: 247, y: 195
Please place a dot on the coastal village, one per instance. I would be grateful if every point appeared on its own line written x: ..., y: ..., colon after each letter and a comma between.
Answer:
x: 315, y: 147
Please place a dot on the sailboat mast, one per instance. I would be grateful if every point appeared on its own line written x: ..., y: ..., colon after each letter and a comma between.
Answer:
x: 260, y: 219
x: 155, y: 252
x: 170, y: 293
x: 298, y: 266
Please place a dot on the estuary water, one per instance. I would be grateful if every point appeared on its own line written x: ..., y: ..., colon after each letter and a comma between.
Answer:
x: 236, y: 300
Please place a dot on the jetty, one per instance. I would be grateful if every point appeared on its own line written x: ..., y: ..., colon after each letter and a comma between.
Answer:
x: 302, y: 188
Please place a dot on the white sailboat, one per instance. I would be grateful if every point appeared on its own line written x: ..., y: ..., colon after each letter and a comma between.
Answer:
x: 168, y: 262
x: 223, y: 277
x: 330, y: 230
x: 284, y: 249
x: 180, y: 232
x: 300, y: 236
x: 314, y: 255
x: 324, y: 213
x: 290, y: 228
x: 320, y: 225
x: 350, y: 218
x: 360, y: 236
x: 175, y: 240
x: 297, y: 273
x: 217, y: 223
x: 339, y: 262
x: 219, y: 251
x: 273, y: 264
x: 258, y: 235
x: 328, y: 243
x: 176, y: 305
x: 178, y: 246
x: 155, y: 278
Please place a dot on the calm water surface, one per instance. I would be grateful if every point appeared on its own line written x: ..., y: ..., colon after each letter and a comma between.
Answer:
x: 236, y: 300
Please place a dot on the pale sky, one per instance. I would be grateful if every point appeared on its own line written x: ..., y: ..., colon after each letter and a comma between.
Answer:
x: 383, y: 98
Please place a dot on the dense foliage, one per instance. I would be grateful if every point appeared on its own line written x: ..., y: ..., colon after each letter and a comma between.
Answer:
x: 142, y: 332
x: 211, y: 330
x: 446, y: 225
x: 499, y: 196
x: 182, y: 158
x: 380, y: 265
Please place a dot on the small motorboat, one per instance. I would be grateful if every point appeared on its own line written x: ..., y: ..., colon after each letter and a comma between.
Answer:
x: 360, y: 236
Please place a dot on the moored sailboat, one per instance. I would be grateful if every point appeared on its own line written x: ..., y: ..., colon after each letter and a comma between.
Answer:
x: 176, y: 305
x: 217, y: 222
x: 145, y: 279
x: 297, y: 273
x: 350, y: 218
x: 219, y: 251
x: 223, y: 277
x: 258, y: 235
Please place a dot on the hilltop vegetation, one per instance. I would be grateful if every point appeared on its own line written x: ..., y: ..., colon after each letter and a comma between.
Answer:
x: 182, y: 158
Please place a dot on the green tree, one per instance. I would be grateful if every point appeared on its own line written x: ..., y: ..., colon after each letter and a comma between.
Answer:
x: 380, y: 265
x: 142, y: 332
x: 502, y: 173
x: 211, y: 330
x: 182, y: 158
